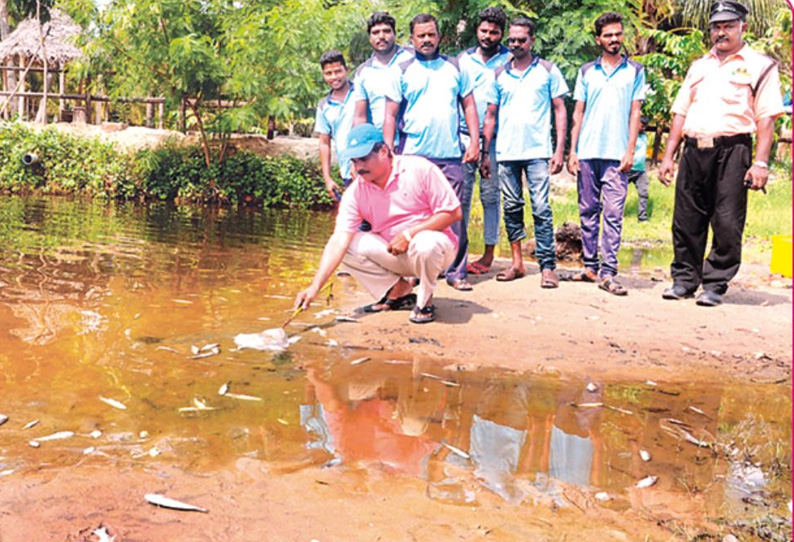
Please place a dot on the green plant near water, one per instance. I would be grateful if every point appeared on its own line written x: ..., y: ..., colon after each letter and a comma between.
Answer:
x: 75, y: 165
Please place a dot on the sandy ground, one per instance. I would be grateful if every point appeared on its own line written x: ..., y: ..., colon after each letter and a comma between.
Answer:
x: 581, y: 330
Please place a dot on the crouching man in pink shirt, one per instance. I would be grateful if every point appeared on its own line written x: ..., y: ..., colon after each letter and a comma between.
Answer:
x: 411, y: 206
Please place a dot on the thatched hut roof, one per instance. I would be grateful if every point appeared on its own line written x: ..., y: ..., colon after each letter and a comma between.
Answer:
x: 59, y: 35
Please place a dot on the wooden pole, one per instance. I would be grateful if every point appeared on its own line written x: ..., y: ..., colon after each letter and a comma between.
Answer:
x: 61, y: 91
x: 149, y: 115
x: 21, y: 87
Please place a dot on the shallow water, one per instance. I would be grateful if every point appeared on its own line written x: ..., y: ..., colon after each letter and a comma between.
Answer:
x: 103, y: 301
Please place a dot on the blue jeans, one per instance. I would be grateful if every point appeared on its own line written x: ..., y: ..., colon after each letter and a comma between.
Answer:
x: 490, y: 197
x: 537, y: 172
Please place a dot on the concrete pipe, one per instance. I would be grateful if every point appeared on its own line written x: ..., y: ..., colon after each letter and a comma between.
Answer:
x: 30, y: 159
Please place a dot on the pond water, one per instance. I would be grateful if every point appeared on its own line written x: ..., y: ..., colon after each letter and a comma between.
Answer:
x: 103, y: 306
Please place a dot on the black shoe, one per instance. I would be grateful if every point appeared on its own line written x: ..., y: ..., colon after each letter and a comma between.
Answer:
x: 709, y: 298
x: 676, y: 292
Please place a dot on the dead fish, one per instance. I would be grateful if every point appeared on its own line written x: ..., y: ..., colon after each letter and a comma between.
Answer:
x: 692, y: 440
x: 275, y: 339
x: 224, y: 389
x: 34, y: 444
x: 648, y: 481
x: 166, y: 502
x: 696, y: 410
x: 167, y: 349
x: 200, y: 404
x: 591, y: 387
x: 190, y: 409
x: 103, y: 535
x: 588, y: 405
x: 242, y: 397
x: 450, y: 383
x: 206, y: 351
x: 333, y: 343
x: 89, y: 450
x: 112, y: 402
x: 645, y: 455
x: 182, y: 301
x: 359, y: 361
x: 346, y: 319
x: 3, y: 419
x: 33, y: 423
x: 456, y: 451
x: 618, y: 409
x: 603, y: 496
x: 650, y: 383
x: 282, y: 421
x: 96, y: 433
x: 6, y: 472
x: 60, y: 435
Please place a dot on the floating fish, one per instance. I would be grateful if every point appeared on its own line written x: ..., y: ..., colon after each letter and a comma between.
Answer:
x: 618, y: 409
x: 6, y: 472
x: 588, y: 405
x: 242, y: 397
x: 359, y: 361
x: 30, y: 424
x: 275, y: 339
x: 34, y: 444
x: 651, y: 383
x: 3, y: 419
x: 648, y: 481
x: 60, y: 435
x: 224, y: 389
x: 645, y: 455
x: 166, y: 502
x: 456, y: 451
x: 112, y: 402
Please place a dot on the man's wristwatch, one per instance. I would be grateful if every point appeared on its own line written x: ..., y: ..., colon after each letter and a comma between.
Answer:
x: 761, y: 164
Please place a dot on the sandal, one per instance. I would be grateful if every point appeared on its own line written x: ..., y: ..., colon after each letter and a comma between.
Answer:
x: 462, y: 285
x: 611, y: 285
x: 579, y: 276
x: 425, y: 315
x: 476, y: 268
x: 405, y: 302
x: 509, y: 274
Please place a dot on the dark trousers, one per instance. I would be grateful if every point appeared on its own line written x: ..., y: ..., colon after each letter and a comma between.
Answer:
x: 453, y: 171
x: 710, y: 191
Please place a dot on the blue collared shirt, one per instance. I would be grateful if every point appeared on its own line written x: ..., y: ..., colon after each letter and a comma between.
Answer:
x: 335, y: 118
x: 428, y: 93
x: 374, y: 79
x: 481, y: 75
x: 608, y: 99
x: 524, y: 101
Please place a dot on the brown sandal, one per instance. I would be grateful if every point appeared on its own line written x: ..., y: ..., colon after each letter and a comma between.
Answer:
x: 509, y: 274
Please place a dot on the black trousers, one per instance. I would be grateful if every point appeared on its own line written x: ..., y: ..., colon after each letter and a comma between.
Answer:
x: 710, y: 191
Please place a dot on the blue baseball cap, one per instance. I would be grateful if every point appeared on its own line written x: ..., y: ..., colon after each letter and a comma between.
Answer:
x: 360, y: 141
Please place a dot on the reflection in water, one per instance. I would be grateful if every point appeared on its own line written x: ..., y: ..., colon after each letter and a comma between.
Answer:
x: 107, y: 301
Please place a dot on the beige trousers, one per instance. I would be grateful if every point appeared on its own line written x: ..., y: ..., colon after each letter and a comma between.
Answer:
x: 429, y: 253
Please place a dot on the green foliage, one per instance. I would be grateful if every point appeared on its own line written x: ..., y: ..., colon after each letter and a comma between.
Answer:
x: 73, y: 165
x: 66, y: 163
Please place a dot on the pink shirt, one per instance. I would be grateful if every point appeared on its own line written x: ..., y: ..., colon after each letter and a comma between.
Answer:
x: 730, y: 97
x: 415, y: 191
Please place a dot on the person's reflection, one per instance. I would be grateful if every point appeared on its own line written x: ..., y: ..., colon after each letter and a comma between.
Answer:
x: 575, y: 446
x: 369, y: 425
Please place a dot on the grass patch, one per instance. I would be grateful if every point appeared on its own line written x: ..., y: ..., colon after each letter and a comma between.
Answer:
x: 767, y: 215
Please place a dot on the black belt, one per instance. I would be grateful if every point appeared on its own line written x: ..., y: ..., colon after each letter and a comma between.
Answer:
x: 722, y: 141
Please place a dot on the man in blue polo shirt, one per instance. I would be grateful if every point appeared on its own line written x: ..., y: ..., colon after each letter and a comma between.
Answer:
x: 480, y: 62
x: 375, y: 76
x: 606, y: 120
x: 425, y: 100
x: 335, y: 119
x: 523, y: 95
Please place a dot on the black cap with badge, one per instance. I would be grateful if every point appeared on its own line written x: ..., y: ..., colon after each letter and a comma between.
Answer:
x: 727, y: 10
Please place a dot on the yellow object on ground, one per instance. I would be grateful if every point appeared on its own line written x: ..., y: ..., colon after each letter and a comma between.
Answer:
x: 781, y: 255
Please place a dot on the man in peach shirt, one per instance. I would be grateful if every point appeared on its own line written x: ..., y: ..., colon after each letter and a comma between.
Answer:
x: 411, y: 206
x: 727, y: 95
